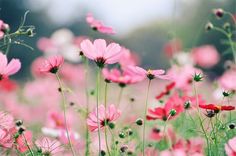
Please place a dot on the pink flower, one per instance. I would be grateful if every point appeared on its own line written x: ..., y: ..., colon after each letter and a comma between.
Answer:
x: 21, y: 141
x: 48, y: 146
x: 6, y: 138
x: 172, y: 47
x: 227, y: 80
x: 7, y: 69
x: 205, y: 56
x: 100, y: 52
x: 105, y: 117
x: 230, y: 147
x: 150, y: 74
x: 3, y: 28
x: 6, y: 121
x: 98, y: 25
x: 128, y: 58
x: 122, y: 78
x: 52, y: 64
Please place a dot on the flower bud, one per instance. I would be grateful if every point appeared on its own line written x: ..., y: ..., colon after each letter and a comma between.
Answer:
x: 172, y: 112
x: 219, y: 13
x: 226, y: 94
x: 111, y: 125
x: 122, y: 135
x: 139, y: 122
x: 209, y: 26
x: 187, y: 105
x: 103, y: 153
x: 124, y: 148
x: 197, y: 77
x: 232, y: 125
x: 21, y: 129
x: 19, y: 123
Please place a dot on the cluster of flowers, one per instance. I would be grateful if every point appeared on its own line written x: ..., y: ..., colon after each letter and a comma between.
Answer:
x: 61, y: 106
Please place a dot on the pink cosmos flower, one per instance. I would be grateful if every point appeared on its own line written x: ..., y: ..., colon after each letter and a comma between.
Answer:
x: 100, y: 52
x: 227, y: 80
x: 6, y: 138
x: 150, y: 74
x: 205, y: 56
x: 48, y: 146
x: 230, y: 147
x: 105, y: 117
x: 6, y: 121
x: 21, y: 141
x: 3, y: 28
x: 98, y: 25
x: 128, y: 58
x: 122, y: 78
x: 7, y: 69
x: 52, y: 64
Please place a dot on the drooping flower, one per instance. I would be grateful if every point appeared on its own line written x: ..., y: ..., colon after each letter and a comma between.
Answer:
x: 205, y: 56
x: 230, y: 147
x: 98, y: 25
x: 150, y: 74
x: 7, y: 69
x: 52, y: 64
x: 215, y: 107
x: 105, y: 117
x: 48, y: 146
x: 100, y: 52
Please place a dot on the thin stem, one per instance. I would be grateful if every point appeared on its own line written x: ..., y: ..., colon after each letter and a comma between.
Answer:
x: 105, y: 103
x: 120, y: 96
x: 64, y: 113
x: 232, y: 17
x: 144, y: 119
x: 97, y: 104
x: 27, y: 144
x: 215, y: 136
x: 87, y: 106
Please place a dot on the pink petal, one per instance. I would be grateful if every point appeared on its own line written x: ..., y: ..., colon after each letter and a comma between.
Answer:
x: 88, y: 49
x: 13, y: 67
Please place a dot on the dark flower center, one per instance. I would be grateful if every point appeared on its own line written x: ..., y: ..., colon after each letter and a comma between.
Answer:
x: 1, y: 77
x: 105, y: 122
x: 54, y: 70
x: 156, y: 130
x: 150, y: 76
x: 95, y: 28
x: 164, y: 118
x: 100, y: 61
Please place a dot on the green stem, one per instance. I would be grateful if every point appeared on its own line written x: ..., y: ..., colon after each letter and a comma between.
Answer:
x: 87, y: 106
x: 144, y: 119
x: 97, y: 104
x: 105, y: 103
x: 64, y: 112
x: 215, y: 135
x: 27, y: 144
x: 120, y: 96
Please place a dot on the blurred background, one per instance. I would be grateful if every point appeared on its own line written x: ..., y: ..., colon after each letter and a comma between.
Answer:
x: 142, y: 26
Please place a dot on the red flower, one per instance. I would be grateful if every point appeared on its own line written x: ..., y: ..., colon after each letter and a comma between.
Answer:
x: 169, y: 87
x: 216, y: 107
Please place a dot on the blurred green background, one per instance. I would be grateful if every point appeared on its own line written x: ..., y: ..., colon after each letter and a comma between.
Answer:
x: 142, y: 26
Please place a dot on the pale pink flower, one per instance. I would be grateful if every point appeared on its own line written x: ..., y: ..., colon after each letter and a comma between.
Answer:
x: 7, y: 69
x: 3, y: 28
x: 230, y: 147
x: 22, y: 140
x: 105, y: 117
x: 100, y: 52
x: 6, y: 138
x: 128, y: 58
x: 205, y: 56
x: 120, y: 77
x: 150, y: 74
x: 227, y: 80
x: 98, y: 25
x: 6, y: 121
x: 48, y: 146
x: 52, y: 64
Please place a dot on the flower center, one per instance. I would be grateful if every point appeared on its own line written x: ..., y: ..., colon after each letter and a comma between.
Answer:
x: 1, y: 77
x: 54, y: 70
x: 100, y: 61
x: 105, y: 122
x: 150, y: 74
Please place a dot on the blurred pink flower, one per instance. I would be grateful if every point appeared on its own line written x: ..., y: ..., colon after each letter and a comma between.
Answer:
x: 46, y: 44
x: 3, y: 28
x: 98, y: 25
x: 8, y: 85
x: 122, y: 78
x: 230, y: 147
x: 105, y: 117
x: 227, y: 80
x: 100, y: 52
x: 7, y: 69
x: 172, y: 47
x: 128, y: 58
x: 6, y: 121
x: 56, y: 120
x: 150, y: 74
x: 48, y: 146
x: 205, y: 56
x: 6, y: 138
x: 21, y: 141
x: 52, y: 64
